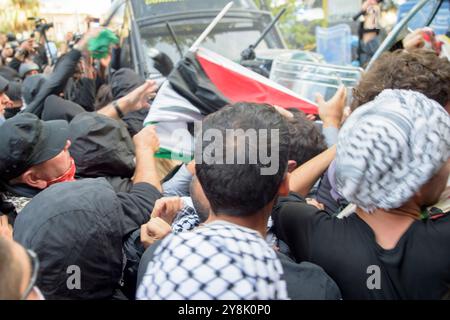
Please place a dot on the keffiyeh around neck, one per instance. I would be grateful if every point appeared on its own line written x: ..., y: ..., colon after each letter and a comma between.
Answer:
x: 219, y: 261
x: 389, y: 148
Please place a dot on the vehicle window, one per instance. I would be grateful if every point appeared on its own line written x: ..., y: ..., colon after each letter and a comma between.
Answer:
x: 125, y: 42
x: 159, y: 7
x: 229, y: 38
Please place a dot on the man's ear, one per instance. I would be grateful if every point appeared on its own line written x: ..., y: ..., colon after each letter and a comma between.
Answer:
x: 292, y: 164
x: 30, y: 178
x: 283, y: 190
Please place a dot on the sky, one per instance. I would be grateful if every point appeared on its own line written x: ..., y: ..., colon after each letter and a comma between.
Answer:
x: 92, y: 7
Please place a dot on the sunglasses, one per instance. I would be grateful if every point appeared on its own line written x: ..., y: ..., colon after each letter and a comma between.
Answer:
x: 34, y: 274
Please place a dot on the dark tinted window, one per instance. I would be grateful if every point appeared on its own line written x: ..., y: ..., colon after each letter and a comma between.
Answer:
x: 228, y: 38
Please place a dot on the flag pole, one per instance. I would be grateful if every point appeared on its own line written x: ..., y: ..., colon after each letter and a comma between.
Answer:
x: 211, y: 26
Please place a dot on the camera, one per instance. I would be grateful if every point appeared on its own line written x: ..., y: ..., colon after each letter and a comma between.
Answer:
x: 41, y: 24
x: 76, y: 37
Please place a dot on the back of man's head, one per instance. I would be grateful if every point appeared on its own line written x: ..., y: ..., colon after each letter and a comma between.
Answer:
x: 419, y: 70
x: 241, y: 158
x: 306, y: 139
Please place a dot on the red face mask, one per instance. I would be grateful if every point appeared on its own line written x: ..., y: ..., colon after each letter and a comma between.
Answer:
x: 69, y: 175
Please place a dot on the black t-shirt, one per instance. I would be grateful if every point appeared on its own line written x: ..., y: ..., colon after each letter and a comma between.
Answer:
x: 417, y: 268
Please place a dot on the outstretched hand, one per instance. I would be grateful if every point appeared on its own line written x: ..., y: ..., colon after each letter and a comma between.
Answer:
x: 331, y: 112
x: 91, y: 33
x: 139, y: 97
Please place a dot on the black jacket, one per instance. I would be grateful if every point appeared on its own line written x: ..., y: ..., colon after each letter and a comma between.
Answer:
x: 81, y: 225
x: 54, y: 83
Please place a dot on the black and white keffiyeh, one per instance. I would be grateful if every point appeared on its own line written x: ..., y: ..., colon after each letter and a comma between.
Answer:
x: 219, y: 261
x: 186, y: 220
x: 390, y: 147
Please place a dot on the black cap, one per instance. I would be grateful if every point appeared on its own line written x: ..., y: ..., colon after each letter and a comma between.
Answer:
x: 11, y: 36
x: 14, y: 91
x: 25, y: 141
x: 3, y: 84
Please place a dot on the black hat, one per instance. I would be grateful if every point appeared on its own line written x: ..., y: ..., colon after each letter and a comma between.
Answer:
x: 25, y: 141
x: 10, y: 74
x: 27, y: 67
x: 11, y: 36
x: 14, y: 91
x: 3, y: 84
x: 31, y: 86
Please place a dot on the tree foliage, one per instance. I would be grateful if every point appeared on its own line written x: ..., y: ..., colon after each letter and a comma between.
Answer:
x: 14, y: 14
x: 296, y: 34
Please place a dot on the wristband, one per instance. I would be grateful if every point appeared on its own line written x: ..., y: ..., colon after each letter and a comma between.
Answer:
x: 116, y: 107
x: 376, y: 30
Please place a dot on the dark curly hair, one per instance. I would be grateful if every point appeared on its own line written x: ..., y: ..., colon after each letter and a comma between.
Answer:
x: 306, y: 139
x: 417, y: 70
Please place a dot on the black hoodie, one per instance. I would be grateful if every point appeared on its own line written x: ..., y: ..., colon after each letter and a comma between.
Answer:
x: 57, y: 108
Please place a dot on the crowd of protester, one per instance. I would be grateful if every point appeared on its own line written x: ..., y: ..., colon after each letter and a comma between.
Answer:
x: 358, y: 208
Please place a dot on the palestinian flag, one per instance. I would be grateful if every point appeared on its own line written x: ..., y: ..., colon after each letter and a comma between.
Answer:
x: 202, y: 83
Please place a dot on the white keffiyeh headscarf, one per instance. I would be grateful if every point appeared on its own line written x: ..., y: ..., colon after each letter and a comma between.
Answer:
x: 219, y: 261
x: 390, y: 147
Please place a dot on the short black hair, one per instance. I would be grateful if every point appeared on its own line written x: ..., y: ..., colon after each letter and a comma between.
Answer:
x: 201, y: 208
x: 306, y: 139
x: 241, y: 189
x: 9, y: 273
